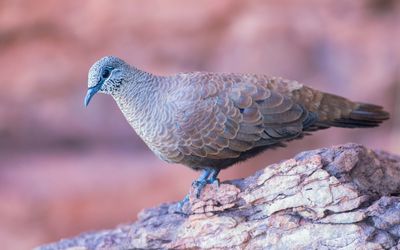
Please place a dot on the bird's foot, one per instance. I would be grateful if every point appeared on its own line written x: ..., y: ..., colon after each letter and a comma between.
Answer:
x: 209, y: 176
x: 198, y: 186
x: 214, y: 181
x: 182, y: 203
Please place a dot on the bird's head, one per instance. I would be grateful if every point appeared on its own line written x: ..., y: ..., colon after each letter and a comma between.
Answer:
x: 106, y: 76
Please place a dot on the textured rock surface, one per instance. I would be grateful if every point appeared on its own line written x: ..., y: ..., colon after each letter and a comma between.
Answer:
x: 343, y: 197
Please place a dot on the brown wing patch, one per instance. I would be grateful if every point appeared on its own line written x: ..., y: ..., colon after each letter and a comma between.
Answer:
x: 233, y: 114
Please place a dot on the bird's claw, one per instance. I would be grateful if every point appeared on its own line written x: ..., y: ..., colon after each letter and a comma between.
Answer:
x: 209, y: 176
x: 198, y: 186
x: 182, y: 203
x: 214, y: 181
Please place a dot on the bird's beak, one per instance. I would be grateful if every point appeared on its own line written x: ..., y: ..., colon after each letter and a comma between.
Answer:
x: 90, y: 93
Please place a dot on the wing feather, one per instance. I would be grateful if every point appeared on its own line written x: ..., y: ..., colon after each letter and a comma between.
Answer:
x: 233, y: 114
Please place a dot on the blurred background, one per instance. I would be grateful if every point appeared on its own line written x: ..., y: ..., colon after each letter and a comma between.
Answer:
x: 65, y: 169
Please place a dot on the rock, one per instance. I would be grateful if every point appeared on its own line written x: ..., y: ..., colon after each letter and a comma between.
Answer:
x: 343, y: 197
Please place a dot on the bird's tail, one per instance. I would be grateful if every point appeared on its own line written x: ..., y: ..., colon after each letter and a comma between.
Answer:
x: 337, y: 111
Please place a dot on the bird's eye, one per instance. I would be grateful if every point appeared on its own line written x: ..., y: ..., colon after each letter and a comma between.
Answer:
x: 106, y: 73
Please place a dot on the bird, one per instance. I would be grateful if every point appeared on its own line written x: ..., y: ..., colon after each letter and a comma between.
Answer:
x: 210, y: 121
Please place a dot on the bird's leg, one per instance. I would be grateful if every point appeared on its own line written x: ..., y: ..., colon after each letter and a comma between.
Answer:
x: 213, y: 177
x: 202, y: 181
x: 198, y: 185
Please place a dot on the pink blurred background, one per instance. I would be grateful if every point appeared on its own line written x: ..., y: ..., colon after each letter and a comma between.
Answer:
x: 65, y: 169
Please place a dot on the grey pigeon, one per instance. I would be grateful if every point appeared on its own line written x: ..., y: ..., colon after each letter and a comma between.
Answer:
x: 210, y: 121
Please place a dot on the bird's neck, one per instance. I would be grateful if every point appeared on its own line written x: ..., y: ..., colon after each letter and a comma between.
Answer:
x: 138, y: 98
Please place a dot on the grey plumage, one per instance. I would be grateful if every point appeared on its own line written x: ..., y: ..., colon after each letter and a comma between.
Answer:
x: 213, y: 120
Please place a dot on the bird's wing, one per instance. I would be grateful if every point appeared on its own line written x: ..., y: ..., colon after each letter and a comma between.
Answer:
x: 220, y: 116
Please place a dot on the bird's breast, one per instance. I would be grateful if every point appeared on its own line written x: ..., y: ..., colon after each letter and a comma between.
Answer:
x: 155, y: 123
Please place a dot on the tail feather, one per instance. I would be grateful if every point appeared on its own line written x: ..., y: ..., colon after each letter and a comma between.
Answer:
x: 369, y: 112
x: 336, y: 111
x: 363, y: 115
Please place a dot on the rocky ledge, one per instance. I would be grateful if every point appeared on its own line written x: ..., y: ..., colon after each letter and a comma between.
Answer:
x: 342, y: 197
